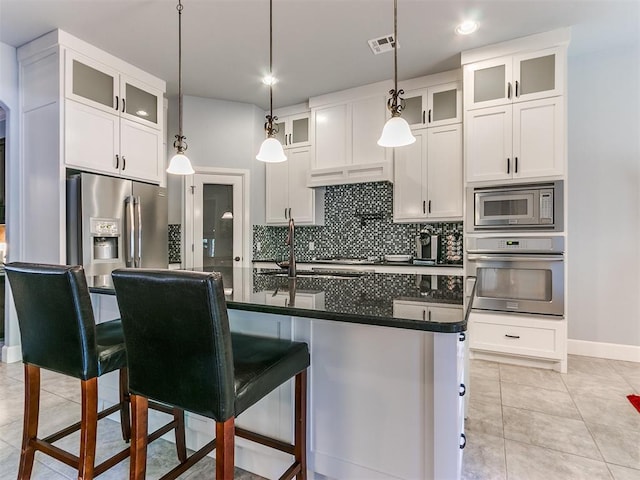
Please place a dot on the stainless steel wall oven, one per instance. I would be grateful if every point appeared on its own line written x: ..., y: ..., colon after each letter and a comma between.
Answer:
x: 518, y: 274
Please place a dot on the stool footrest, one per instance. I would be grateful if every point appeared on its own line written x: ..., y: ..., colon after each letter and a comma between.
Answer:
x: 54, y: 437
x: 191, y: 461
x: 264, y: 440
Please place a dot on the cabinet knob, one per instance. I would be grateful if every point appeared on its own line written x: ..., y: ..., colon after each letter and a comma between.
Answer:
x: 462, y: 337
x: 237, y: 259
x: 463, y: 389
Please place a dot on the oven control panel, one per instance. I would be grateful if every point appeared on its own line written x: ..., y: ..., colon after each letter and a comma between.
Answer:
x: 515, y: 244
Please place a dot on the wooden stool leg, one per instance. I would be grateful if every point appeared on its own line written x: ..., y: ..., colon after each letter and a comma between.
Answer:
x: 300, y: 441
x: 225, y: 433
x: 181, y: 443
x: 125, y: 419
x: 140, y: 410
x: 30, y: 425
x: 88, y: 428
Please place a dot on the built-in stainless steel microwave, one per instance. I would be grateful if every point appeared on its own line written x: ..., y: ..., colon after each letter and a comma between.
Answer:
x: 516, y: 207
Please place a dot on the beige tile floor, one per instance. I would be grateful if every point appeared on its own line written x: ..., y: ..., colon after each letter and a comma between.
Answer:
x: 527, y: 423
x: 523, y: 423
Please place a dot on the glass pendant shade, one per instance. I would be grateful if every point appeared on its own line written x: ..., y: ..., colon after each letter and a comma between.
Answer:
x: 180, y: 165
x: 271, y: 151
x: 396, y: 133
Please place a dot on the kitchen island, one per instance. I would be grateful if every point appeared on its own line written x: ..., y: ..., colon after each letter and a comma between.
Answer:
x: 386, y: 381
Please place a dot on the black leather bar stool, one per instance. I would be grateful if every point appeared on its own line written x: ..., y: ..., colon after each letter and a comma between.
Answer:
x: 182, y: 353
x: 59, y: 333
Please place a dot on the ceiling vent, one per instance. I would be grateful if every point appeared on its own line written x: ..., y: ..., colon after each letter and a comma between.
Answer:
x: 382, y: 44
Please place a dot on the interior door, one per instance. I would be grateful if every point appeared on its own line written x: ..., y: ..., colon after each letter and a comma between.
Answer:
x: 214, y: 221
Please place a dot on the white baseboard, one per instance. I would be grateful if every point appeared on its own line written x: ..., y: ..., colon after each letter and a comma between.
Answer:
x: 613, y: 351
x: 11, y: 354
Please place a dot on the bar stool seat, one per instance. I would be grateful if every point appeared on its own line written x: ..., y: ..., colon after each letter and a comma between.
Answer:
x: 59, y: 333
x: 181, y: 353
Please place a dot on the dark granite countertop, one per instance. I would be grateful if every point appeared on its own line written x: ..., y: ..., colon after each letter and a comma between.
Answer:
x: 354, y: 297
x: 365, y: 263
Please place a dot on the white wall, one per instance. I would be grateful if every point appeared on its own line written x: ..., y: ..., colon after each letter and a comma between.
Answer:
x: 220, y: 134
x: 9, y: 101
x: 604, y: 195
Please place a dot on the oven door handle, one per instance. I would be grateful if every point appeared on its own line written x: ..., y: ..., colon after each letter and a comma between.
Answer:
x: 517, y: 258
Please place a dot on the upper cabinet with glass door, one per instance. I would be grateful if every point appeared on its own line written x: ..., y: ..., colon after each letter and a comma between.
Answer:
x: 100, y: 86
x: 434, y: 106
x: 514, y: 78
x: 293, y: 130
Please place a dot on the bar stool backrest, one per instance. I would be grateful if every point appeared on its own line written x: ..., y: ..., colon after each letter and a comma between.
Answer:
x: 178, y: 341
x: 55, y: 317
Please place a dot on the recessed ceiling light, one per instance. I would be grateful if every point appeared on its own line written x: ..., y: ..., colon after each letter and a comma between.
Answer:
x: 467, y: 27
x: 269, y: 80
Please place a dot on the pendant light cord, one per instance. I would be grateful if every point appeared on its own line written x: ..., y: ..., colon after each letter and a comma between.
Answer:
x: 395, y: 45
x: 271, y: 55
x: 180, y: 145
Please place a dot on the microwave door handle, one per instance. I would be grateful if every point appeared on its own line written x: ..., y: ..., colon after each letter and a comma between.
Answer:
x: 138, y: 205
x: 517, y: 258
x: 130, y: 230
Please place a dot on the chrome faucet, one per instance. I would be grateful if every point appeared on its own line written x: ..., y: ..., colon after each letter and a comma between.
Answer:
x: 291, y: 242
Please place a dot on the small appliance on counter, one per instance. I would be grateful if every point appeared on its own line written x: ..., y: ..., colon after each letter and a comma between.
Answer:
x: 427, y: 248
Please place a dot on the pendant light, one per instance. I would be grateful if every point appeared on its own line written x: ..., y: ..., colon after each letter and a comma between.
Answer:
x: 396, y: 132
x: 180, y: 164
x: 271, y: 149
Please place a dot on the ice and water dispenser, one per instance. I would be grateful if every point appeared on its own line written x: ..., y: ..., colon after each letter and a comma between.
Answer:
x: 105, y: 239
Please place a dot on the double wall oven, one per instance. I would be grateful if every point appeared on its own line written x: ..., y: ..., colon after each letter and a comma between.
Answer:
x: 517, y: 270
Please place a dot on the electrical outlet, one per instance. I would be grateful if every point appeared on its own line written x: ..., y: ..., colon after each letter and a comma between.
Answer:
x: 312, y: 246
x: 258, y: 246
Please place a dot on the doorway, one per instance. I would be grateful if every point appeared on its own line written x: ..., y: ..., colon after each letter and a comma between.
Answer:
x: 216, y: 219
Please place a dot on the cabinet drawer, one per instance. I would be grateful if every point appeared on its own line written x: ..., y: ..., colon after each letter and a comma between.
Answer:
x: 515, y: 339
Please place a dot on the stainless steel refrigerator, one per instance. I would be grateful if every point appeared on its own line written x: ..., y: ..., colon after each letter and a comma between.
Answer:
x: 114, y: 223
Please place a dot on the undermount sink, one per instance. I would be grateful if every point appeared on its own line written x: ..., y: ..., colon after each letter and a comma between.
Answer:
x: 314, y: 273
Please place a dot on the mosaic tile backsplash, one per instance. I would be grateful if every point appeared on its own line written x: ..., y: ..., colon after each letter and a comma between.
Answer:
x: 358, y: 223
x: 175, y: 238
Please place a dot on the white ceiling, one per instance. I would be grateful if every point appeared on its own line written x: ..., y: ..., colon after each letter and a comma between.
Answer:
x: 320, y: 46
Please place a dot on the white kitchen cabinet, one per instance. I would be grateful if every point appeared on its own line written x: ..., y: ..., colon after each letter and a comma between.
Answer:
x: 515, y: 78
x: 428, y: 182
x: 523, y: 140
x: 427, y: 311
x: 345, y: 128
x: 434, y: 106
x: 293, y: 130
x: 505, y: 336
x: 287, y: 195
x: 113, y: 122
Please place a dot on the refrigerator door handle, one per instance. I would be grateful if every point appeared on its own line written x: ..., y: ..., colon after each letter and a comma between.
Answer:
x: 138, y: 205
x: 130, y: 231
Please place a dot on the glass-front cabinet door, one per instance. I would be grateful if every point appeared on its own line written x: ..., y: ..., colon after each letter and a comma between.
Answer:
x: 433, y: 106
x: 91, y: 83
x: 538, y: 75
x: 140, y: 103
x: 293, y: 130
x: 488, y: 83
